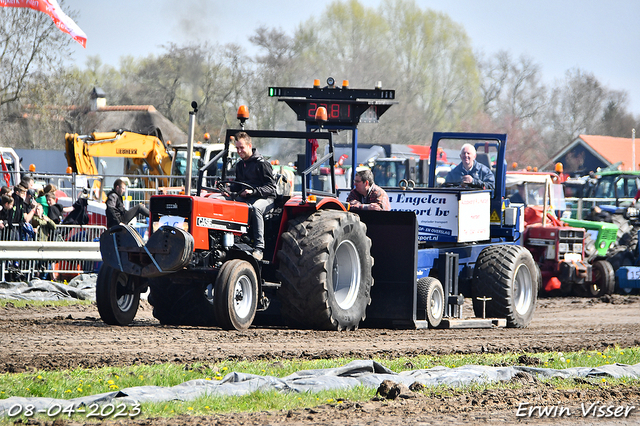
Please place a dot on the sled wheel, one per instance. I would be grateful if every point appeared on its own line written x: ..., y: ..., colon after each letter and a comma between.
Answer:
x: 431, y: 300
x: 117, y: 296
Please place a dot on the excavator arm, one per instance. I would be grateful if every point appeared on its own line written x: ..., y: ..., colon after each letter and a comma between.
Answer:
x: 81, y: 150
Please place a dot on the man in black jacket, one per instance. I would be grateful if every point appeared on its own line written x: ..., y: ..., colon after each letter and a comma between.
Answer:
x: 254, y: 170
x: 116, y: 213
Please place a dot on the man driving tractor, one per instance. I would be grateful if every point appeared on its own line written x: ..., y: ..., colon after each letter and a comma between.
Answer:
x: 254, y: 170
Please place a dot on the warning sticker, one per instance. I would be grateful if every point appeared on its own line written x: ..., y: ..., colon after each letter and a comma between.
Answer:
x: 494, y: 217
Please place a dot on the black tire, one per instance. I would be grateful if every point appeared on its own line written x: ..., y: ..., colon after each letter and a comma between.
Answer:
x: 236, y: 295
x: 617, y: 257
x: 117, y: 296
x: 325, y: 270
x: 431, y: 300
x: 590, y: 249
x: 626, y: 232
x: 630, y: 239
x: 181, y: 304
x: 507, y: 274
x: 604, y: 279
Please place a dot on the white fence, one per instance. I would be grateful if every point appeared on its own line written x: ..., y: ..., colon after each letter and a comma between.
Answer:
x: 68, y: 251
x: 72, y: 249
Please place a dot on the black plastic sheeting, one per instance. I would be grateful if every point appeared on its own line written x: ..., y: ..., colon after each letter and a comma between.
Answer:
x: 82, y: 287
x: 357, y: 373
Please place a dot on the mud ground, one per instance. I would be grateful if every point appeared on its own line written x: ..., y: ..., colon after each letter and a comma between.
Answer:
x: 52, y: 338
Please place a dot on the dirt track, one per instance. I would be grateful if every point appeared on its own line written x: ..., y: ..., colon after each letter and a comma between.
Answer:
x: 56, y: 338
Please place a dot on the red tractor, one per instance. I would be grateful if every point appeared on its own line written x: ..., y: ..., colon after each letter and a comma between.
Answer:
x: 558, y: 249
x: 200, y: 271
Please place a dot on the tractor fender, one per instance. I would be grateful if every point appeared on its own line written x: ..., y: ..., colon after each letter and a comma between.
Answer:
x: 294, y: 207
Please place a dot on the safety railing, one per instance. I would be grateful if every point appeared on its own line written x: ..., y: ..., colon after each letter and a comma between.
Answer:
x: 68, y: 251
x: 71, y: 233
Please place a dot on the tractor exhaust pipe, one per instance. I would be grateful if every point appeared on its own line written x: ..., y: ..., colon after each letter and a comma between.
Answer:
x: 192, y: 125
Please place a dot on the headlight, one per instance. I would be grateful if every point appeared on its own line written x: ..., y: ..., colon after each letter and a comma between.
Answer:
x: 602, y: 244
x: 613, y: 243
x: 563, y: 247
x: 577, y: 248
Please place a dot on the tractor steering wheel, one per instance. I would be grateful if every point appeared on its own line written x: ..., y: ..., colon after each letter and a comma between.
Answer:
x: 223, y: 186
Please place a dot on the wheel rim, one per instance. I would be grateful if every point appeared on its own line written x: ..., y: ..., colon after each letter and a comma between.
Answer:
x: 242, y: 296
x: 523, y: 290
x: 124, y: 293
x: 346, y: 274
x: 437, y: 303
x: 596, y: 285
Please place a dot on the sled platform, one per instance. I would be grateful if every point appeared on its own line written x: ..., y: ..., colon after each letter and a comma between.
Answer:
x: 451, y: 323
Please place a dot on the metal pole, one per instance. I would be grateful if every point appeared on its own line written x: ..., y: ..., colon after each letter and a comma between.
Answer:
x: 192, y: 125
x: 633, y: 148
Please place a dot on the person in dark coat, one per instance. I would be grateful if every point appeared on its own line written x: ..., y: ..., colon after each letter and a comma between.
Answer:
x: 116, y: 213
x: 7, y: 218
x: 254, y: 170
x: 56, y: 210
x: 470, y: 173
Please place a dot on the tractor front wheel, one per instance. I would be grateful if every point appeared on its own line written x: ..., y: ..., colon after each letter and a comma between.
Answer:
x: 604, y: 279
x: 236, y: 295
x: 117, y: 296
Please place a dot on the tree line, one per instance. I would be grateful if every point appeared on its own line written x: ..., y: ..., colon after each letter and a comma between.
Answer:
x: 440, y: 83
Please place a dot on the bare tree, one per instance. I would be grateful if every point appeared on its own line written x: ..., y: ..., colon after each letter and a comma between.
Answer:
x: 616, y: 121
x: 576, y: 107
x: 28, y: 39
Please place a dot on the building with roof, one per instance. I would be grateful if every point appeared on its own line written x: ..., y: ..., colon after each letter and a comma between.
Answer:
x: 588, y: 153
x: 144, y: 119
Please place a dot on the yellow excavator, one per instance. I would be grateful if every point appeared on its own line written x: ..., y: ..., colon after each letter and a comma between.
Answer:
x: 140, y: 148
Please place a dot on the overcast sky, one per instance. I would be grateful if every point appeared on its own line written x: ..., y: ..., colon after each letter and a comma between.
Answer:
x: 601, y: 37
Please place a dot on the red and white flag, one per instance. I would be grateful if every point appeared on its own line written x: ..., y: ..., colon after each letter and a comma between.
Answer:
x: 52, y: 8
x: 5, y: 171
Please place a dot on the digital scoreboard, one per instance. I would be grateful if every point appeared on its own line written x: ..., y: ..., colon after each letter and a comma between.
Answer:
x: 344, y: 105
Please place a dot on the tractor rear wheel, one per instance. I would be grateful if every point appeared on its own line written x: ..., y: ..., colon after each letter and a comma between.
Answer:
x: 236, y: 295
x: 604, y: 279
x: 431, y: 300
x: 181, y: 304
x: 117, y: 296
x: 325, y: 270
x: 506, y: 277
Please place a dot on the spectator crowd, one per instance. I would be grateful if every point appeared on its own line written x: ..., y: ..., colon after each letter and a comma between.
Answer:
x: 27, y: 213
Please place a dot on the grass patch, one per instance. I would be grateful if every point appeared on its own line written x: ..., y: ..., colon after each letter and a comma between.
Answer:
x: 68, y: 384
x: 21, y: 303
